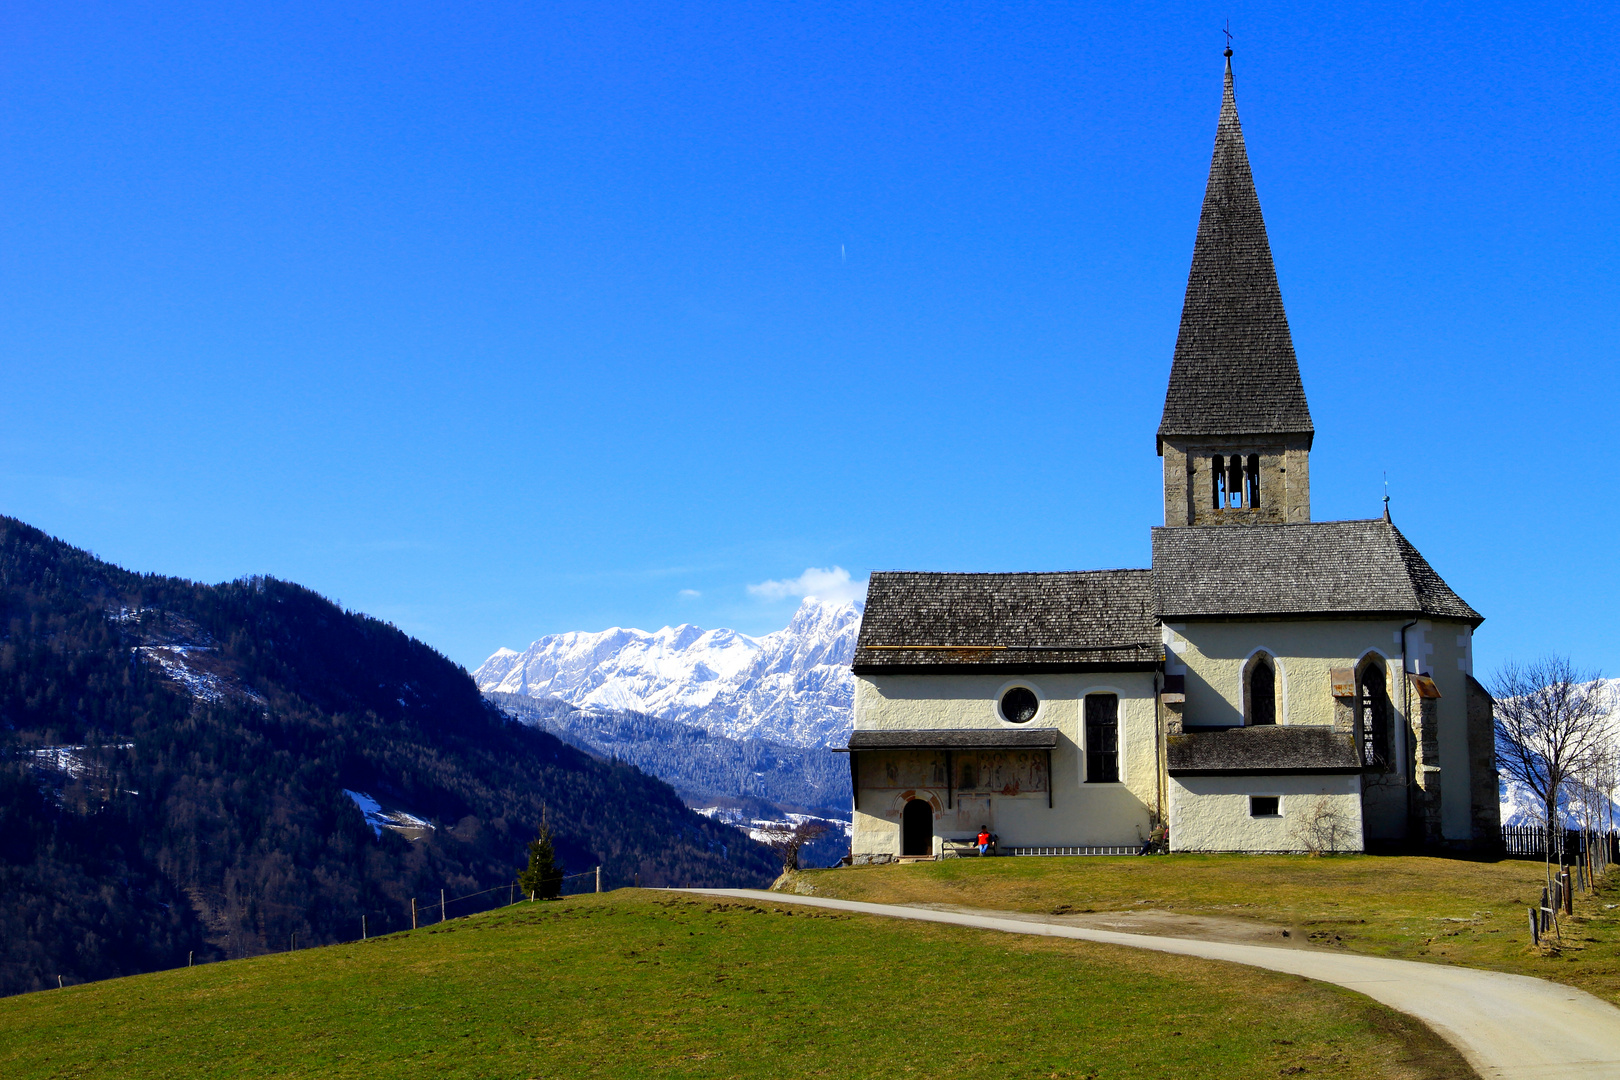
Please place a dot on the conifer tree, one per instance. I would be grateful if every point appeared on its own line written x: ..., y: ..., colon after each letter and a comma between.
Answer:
x: 543, y: 877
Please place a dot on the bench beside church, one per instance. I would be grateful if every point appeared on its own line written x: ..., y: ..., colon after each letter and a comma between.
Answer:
x: 1269, y: 684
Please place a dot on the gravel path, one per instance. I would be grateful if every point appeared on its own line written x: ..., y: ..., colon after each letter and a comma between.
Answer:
x: 1508, y: 1027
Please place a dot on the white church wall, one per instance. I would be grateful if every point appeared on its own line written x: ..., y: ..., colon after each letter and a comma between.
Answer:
x: 1448, y: 660
x: 1081, y: 813
x: 1212, y: 655
x: 1212, y: 813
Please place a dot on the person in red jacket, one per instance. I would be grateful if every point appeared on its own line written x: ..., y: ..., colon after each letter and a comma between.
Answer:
x: 984, y: 841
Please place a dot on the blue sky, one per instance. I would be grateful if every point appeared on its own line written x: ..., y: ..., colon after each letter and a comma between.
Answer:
x: 497, y: 320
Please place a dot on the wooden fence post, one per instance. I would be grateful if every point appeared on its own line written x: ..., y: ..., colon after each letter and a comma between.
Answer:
x: 413, y: 913
x: 362, y: 928
x: 441, y: 905
x: 599, y: 877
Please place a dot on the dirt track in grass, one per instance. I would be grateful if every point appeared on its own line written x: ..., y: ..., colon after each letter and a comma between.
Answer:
x: 1458, y: 911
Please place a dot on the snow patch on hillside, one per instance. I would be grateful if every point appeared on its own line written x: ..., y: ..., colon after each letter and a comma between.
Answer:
x: 189, y: 666
x: 379, y: 818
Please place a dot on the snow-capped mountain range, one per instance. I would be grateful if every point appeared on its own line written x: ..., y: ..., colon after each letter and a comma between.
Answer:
x: 792, y: 686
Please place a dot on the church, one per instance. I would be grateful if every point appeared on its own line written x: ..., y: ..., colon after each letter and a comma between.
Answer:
x: 1269, y: 684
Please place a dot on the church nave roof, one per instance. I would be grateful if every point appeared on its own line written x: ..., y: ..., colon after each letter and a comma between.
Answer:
x: 1314, y: 568
x: 1063, y: 620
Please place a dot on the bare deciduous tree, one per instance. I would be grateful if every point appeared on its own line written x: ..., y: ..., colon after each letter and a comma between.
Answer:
x: 1552, y: 725
x: 787, y: 842
x: 1322, y: 829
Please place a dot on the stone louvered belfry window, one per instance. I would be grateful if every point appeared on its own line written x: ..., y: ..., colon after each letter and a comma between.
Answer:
x: 1102, y: 738
x: 1235, y: 481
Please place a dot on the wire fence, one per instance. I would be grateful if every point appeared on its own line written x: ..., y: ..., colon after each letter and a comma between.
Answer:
x: 419, y: 911
x: 416, y: 911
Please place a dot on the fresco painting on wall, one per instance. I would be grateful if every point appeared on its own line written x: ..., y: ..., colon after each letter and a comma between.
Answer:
x: 1002, y: 772
x: 998, y: 772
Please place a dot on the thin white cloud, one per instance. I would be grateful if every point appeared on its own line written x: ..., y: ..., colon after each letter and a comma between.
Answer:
x: 833, y: 586
x: 690, y: 594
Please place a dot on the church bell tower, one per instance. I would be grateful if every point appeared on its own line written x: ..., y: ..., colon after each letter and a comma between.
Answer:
x: 1236, y: 432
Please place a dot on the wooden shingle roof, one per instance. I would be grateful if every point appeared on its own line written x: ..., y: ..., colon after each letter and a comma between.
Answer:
x: 1065, y: 620
x: 1310, y: 569
x: 1234, y: 371
x: 1262, y: 749
x: 954, y: 739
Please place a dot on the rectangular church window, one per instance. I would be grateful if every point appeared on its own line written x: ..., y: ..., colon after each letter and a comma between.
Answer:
x: 1102, y: 738
x: 1265, y: 806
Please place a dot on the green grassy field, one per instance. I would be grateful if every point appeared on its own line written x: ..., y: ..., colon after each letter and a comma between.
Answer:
x: 640, y: 983
x: 1445, y: 910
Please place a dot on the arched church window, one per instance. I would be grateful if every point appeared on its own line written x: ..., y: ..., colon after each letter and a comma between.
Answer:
x: 1375, y: 726
x: 1217, y: 480
x: 1262, y: 691
x: 1234, y: 481
x: 1253, y: 478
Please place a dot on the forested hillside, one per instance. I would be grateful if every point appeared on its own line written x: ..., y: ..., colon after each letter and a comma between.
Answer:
x: 174, y: 759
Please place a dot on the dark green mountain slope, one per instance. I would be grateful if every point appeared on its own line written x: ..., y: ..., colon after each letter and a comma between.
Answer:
x: 173, y: 760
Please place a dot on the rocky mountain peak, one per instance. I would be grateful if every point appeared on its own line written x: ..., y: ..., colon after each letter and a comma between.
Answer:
x: 792, y: 686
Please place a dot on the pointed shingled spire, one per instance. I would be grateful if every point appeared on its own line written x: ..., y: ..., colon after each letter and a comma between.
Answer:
x: 1234, y: 371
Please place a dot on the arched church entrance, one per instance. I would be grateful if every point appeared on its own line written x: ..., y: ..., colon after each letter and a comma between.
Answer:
x: 917, y: 828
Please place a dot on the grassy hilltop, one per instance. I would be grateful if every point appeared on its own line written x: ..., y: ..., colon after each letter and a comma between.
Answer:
x: 641, y: 983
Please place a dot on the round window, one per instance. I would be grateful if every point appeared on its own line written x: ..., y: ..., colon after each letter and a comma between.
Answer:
x: 1019, y: 705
